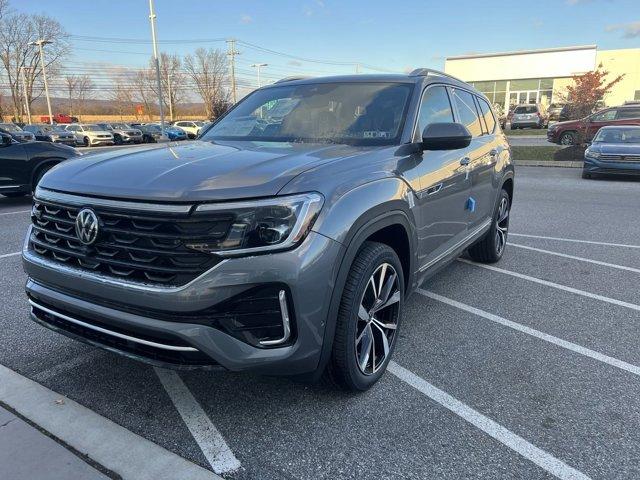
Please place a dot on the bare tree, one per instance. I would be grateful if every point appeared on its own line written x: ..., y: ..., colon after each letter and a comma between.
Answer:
x: 208, y: 71
x: 172, y: 80
x: 17, y: 31
x: 79, y: 89
x: 71, y: 85
x: 121, y: 97
x: 142, y: 91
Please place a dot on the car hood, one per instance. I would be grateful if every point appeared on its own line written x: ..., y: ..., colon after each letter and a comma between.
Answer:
x: 198, y: 171
x: 615, y: 148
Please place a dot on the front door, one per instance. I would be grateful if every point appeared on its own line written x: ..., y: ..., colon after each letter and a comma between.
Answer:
x: 597, y: 121
x: 14, y: 168
x: 444, y: 185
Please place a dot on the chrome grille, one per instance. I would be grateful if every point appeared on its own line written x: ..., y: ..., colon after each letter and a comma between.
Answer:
x: 136, y: 246
x: 620, y: 158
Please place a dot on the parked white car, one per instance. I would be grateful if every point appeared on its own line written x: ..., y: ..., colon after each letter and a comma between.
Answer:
x: 192, y: 127
x: 90, y: 134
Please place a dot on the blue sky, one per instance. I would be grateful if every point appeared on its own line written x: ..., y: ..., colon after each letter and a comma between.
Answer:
x: 393, y: 35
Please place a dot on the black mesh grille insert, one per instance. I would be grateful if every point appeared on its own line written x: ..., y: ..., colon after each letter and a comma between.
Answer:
x: 140, y: 247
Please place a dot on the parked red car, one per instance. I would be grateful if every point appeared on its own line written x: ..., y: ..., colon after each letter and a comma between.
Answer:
x: 59, y: 118
x: 574, y: 132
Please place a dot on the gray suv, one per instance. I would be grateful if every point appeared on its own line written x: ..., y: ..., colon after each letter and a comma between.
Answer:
x: 286, y: 239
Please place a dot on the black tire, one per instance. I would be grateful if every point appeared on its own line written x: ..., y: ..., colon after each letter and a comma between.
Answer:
x: 14, y: 194
x: 117, y: 140
x: 568, y: 139
x: 491, y: 247
x: 85, y: 142
x: 587, y: 175
x: 38, y: 176
x: 347, y: 355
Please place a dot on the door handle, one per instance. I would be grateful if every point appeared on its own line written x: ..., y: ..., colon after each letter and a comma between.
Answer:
x: 464, y: 161
x: 434, y: 189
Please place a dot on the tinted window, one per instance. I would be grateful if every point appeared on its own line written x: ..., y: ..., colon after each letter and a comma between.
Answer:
x: 486, y: 112
x: 629, y: 113
x: 604, y: 116
x: 467, y: 111
x: 435, y: 108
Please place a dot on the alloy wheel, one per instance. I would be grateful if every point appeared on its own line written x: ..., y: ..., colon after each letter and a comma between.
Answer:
x: 502, y: 225
x: 378, y: 316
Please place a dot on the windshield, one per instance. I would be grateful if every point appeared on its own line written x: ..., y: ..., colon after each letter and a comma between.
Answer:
x: 120, y: 126
x: 92, y: 128
x: 154, y: 128
x: 526, y: 109
x: 353, y: 113
x: 199, y: 124
x: 10, y: 127
x: 618, y: 135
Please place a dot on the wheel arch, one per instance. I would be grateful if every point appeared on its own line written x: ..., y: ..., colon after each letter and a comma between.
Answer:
x: 46, y: 163
x: 393, y: 227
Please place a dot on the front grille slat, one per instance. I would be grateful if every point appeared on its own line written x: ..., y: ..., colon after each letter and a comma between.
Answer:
x: 620, y: 158
x: 147, y: 248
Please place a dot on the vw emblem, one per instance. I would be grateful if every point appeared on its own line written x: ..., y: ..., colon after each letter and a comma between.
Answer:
x: 87, y: 226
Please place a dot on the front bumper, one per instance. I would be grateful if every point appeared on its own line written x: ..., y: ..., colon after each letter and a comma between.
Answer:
x: 592, y: 165
x: 101, y: 141
x: 307, y: 271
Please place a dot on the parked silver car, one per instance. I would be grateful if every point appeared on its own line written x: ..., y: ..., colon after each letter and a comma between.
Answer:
x: 90, y: 134
x: 122, y: 132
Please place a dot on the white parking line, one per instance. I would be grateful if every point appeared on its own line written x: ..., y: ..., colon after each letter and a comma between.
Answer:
x: 573, y: 257
x: 206, y: 435
x: 112, y: 446
x: 614, y: 362
x: 559, y: 239
x: 7, y: 255
x: 12, y: 213
x: 496, y: 431
x: 547, y: 283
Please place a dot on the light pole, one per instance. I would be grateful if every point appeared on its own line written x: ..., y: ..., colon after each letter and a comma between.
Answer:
x: 40, y: 43
x: 26, y: 93
x: 259, y: 67
x: 152, y: 19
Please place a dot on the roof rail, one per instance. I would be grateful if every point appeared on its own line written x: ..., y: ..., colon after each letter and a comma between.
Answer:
x: 293, y: 78
x: 425, y: 72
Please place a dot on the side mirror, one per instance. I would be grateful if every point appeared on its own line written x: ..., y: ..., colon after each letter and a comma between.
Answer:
x: 445, y: 136
x: 6, y: 140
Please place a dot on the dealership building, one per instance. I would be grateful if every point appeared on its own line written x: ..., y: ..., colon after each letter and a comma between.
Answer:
x: 541, y: 76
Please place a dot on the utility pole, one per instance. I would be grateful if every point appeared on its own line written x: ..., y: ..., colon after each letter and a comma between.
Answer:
x: 357, y: 68
x: 152, y: 19
x: 259, y: 66
x: 40, y: 43
x: 25, y: 93
x: 232, y: 52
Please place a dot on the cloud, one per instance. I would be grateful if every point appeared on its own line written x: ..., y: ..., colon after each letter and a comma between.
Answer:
x: 294, y: 63
x: 631, y: 30
x: 245, y: 19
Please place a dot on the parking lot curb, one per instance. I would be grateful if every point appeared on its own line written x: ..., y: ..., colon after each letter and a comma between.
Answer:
x: 549, y: 163
x: 103, y: 441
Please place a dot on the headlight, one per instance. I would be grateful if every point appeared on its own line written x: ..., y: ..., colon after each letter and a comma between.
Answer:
x: 590, y: 154
x: 262, y: 225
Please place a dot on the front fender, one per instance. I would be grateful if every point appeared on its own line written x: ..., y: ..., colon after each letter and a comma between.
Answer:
x: 348, y: 212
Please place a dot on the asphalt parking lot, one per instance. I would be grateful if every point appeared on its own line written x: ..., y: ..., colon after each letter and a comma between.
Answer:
x: 528, y: 369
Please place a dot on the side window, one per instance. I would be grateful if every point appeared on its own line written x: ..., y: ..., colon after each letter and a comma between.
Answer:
x: 435, y: 108
x: 632, y: 112
x: 467, y: 111
x: 605, y: 116
x: 487, y: 114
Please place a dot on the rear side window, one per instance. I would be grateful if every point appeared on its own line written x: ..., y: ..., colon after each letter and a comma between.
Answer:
x: 605, y: 116
x: 467, y: 111
x: 526, y: 109
x: 485, y: 111
x: 628, y: 113
x: 435, y: 108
